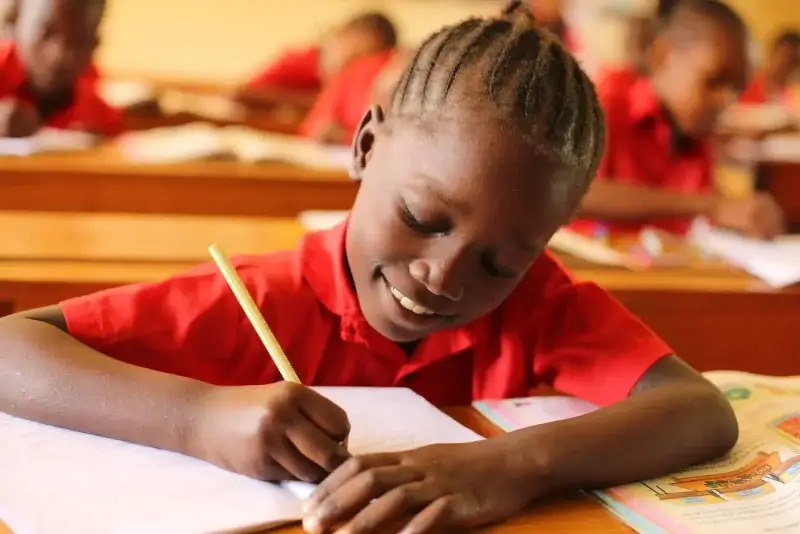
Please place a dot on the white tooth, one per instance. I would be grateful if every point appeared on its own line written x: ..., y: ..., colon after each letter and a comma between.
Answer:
x: 409, y: 304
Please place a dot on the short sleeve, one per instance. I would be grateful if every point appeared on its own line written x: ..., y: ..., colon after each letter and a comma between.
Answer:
x: 189, y: 325
x: 295, y: 69
x: 328, y: 106
x: 588, y: 345
x: 92, y: 111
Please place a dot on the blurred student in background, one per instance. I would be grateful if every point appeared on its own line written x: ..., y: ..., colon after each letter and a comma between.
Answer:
x: 781, y: 70
x: 658, y: 167
x: 297, y: 76
x: 46, y: 73
x: 337, y: 112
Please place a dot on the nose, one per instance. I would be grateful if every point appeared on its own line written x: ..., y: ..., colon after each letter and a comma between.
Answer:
x: 438, y: 276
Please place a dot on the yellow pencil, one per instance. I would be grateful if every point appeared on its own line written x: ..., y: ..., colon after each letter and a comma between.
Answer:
x: 253, y: 314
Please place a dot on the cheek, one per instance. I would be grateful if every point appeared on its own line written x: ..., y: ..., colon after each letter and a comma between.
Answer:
x: 488, y: 295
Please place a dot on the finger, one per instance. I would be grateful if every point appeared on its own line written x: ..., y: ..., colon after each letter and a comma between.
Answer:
x: 316, y: 445
x: 285, y: 454
x: 391, y: 509
x: 348, y: 470
x: 272, y: 471
x: 438, y: 516
x: 376, y: 497
x: 325, y: 414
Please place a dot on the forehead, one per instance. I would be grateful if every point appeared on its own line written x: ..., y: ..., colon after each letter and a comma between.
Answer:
x: 86, y: 13
x: 478, y: 166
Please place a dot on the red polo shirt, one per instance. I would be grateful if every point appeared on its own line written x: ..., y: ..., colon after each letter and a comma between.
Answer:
x: 295, y: 70
x: 756, y: 93
x: 87, y: 112
x: 551, y: 330
x: 347, y: 97
x: 639, y: 151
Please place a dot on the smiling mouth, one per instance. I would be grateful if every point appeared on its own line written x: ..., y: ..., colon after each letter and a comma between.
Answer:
x: 408, y: 304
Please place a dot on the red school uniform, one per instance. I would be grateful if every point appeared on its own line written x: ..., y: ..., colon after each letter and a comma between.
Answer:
x: 87, y: 111
x: 295, y: 70
x: 348, y: 96
x: 552, y: 330
x: 641, y: 150
x: 756, y: 93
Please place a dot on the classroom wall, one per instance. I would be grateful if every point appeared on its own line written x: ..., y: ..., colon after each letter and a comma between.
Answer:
x: 224, y: 40
x: 766, y: 17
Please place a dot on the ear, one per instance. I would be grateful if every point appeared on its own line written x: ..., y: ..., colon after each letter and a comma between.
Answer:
x: 364, y: 140
x: 658, y: 53
x: 11, y: 13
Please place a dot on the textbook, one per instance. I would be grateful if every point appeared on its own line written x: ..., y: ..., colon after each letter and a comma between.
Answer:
x: 199, y: 141
x: 775, y: 262
x: 54, y: 480
x: 755, y: 489
x: 47, y: 140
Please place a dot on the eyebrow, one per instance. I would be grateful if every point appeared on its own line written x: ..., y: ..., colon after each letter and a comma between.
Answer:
x: 428, y: 183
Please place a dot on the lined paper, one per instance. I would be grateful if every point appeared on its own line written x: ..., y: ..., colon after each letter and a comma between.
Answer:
x: 55, y: 480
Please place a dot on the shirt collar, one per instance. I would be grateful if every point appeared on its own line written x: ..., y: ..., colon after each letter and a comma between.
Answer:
x: 324, y: 267
x: 646, y: 108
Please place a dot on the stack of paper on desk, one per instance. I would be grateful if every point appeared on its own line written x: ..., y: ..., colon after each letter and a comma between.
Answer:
x: 775, y: 262
x: 47, y: 140
x: 54, y: 480
x: 202, y: 141
x: 128, y: 94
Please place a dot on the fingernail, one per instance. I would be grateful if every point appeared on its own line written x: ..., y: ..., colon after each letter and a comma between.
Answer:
x: 311, y: 524
x: 308, y: 505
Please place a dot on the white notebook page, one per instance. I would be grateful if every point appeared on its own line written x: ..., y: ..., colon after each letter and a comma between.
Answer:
x: 54, y: 481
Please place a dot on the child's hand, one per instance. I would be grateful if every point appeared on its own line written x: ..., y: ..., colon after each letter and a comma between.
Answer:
x: 18, y: 119
x: 276, y: 432
x: 758, y: 216
x: 436, y: 488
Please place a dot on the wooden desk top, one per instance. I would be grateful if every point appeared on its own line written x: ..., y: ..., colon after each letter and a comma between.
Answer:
x: 573, y: 514
x: 104, y: 246
x: 102, y: 180
x: 106, y: 159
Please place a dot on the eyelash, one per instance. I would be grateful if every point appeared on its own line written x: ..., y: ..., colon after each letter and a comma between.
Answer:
x: 414, y: 223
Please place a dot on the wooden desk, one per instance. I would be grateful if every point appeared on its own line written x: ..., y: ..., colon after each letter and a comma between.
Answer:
x: 572, y: 514
x: 714, y: 317
x: 101, y: 180
x: 782, y: 179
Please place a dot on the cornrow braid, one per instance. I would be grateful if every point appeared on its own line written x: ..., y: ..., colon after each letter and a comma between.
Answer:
x: 518, y: 69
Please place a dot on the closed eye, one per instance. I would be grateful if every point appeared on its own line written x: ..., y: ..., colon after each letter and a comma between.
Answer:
x: 495, y: 270
x: 420, y: 227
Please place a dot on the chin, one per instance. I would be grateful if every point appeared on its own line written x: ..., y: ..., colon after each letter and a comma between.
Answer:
x: 394, y: 332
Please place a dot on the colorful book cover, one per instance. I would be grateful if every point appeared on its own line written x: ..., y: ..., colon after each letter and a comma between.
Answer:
x: 754, y: 489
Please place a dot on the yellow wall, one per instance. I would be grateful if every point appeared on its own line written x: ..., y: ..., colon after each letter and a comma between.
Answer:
x: 226, y: 39
x: 766, y: 17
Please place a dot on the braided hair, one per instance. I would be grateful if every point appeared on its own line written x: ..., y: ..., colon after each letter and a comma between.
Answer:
x: 518, y: 71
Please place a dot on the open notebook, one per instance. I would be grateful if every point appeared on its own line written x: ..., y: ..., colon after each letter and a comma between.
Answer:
x: 47, y: 140
x: 775, y: 262
x: 202, y: 141
x: 54, y: 480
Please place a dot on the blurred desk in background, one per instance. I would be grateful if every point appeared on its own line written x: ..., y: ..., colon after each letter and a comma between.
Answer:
x: 714, y: 317
x: 102, y: 180
x: 782, y: 180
